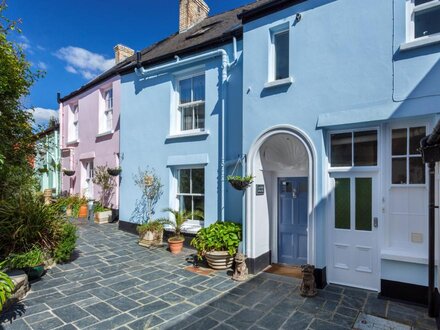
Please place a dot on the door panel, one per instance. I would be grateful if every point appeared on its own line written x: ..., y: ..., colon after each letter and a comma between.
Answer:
x: 354, y: 253
x: 292, y: 220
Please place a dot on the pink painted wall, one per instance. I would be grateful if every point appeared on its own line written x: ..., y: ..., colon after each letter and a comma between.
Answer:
x: 104, y: 150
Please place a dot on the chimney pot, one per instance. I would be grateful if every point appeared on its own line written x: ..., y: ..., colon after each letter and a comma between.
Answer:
x: 191, y: 12
x: 122, y: 52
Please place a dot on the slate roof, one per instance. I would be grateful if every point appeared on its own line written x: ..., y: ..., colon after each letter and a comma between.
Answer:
x: 212, y: 31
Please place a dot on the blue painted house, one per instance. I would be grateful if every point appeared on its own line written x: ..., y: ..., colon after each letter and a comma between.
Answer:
x: 325, y: 103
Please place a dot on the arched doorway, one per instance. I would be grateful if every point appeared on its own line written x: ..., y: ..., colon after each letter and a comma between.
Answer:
x: 279, y: 204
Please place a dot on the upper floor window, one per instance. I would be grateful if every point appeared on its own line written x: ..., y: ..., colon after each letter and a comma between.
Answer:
x: 280, y: 46
x: 424, y: 18
x: 406, y: 162
x: 108, y: 110
x: 192, y: 103
x: 357, y: 148
x: 73, y: 123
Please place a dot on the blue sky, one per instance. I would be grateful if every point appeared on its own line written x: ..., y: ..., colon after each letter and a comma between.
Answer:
x: 73, y: 40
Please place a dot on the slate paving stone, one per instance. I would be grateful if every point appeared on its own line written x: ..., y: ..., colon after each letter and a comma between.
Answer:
x: 149, y: 308
x: 171, y: 298
x: 113, y: 322
x: 49, y: 323
x: 245, y: 318
x: 147, y: 322
x: 70, y: 313
x: 298, y: 320
x: 116, y: 284
x: 123, y: 303
x: 203, y: 324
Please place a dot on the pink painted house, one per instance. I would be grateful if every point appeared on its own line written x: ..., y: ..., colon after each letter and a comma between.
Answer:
x: 89, y: 131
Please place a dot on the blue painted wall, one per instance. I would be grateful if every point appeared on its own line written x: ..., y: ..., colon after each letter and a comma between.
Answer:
x: 146, y: 107
x: 348, y: 71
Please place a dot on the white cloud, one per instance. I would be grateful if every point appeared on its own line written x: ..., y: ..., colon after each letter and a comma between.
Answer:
x: 24, y: 42
x: 71, y: 69
x: 42, y: 115
x: 84, y: 62
x: 41, y: 65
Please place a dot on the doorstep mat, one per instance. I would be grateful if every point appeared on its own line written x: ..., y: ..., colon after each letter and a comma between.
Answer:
x: 370, y: 322
x: 284, y: 270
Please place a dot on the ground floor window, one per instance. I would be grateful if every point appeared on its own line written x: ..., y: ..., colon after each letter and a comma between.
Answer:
x: 191, y: 190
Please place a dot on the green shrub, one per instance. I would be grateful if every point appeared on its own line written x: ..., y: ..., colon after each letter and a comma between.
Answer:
x: 220, y: 236
x: 74, y: 202
x: 6, y: 288
x: 65, y: 247
x: 98, y: 207
x: 153, y: 225
x: 31, y: 258
x: 25, y: 222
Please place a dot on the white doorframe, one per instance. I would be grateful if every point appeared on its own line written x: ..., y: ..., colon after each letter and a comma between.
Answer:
x: 249, y: 224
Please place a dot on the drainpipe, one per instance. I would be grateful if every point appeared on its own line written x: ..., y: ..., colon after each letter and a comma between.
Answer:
x: 226, y: 65
x: 430, y: 150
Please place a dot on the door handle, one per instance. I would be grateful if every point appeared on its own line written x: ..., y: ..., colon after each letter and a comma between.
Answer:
x: 375, y: 222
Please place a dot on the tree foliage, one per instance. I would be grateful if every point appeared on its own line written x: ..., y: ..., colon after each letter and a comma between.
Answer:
x: 16, y: 133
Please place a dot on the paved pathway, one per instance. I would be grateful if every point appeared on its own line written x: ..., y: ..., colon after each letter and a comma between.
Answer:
x: 116, y: 284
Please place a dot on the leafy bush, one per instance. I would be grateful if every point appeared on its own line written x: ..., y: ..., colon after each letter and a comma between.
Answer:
x: 26, y: 222
x: 6, y: 288
x: 180, y: 217
x: 220, y: 236
x: 31, y: 258
x: 98, y: 207
x: 153, y: 225
x: 65, y: 247
x: 106, y: 182
x: 74, y: 202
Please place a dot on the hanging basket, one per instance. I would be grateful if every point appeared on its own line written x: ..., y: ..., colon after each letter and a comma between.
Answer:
x: 43, y: 170
x: 240, y: 184
x: 114, y: 171
x: 68, y: 172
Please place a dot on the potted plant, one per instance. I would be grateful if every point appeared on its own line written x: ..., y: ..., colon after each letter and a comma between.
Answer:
x: 240, y: 182
x: 114, y: 171
x: 102, y: 214
x: 150, y: 233
x: 175, y: 242
x: 68, y: 172
x: 6, y: 289
x: 31, y: 262
x: 218, y: 243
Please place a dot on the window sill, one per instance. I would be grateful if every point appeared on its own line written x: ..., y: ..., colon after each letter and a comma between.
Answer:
x: 189, y: 227
x: 404, y: 256
x: 421, y: 42
x: 72, y: 142
x: 190, y: 134
x: 280, y: 82
x: 105, y: 133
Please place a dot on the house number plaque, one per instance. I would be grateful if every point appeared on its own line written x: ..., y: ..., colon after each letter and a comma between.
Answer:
x: 260, y: 189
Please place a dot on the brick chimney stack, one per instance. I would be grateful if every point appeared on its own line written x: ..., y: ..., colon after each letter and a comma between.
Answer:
x: 191, y: 12
x: 122, y: 52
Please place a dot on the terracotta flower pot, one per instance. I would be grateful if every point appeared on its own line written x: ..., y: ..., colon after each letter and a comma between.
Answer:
x: 175, y: 244
x: 219, y: 259
x: 82, y: 211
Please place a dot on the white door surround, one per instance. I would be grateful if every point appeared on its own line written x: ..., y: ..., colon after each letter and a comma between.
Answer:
x: 254, y: 247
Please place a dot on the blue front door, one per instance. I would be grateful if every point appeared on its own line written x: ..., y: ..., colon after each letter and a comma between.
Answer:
x: 292, y: 220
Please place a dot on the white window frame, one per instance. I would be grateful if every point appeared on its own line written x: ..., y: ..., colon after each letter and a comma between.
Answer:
x: 406, y: 156
x: 411, y: 9
x: 73, y: 129
x: 179, y: 117
x: 178, y: 194
x: 353, y: 167
x: 283, y: 28
x: 108, y: 110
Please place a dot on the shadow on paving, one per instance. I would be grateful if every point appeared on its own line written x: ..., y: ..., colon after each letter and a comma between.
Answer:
x: 115, y: 284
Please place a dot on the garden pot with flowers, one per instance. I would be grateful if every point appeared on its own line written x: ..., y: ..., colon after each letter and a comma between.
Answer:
x: 218, y: 243
x: 240, y: 182
x: 175, y: 242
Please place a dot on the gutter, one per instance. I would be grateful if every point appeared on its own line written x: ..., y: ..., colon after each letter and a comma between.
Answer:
x: 226, y: 66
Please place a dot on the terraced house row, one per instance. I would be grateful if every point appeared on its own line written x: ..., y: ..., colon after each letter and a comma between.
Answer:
x: 324, y: 102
